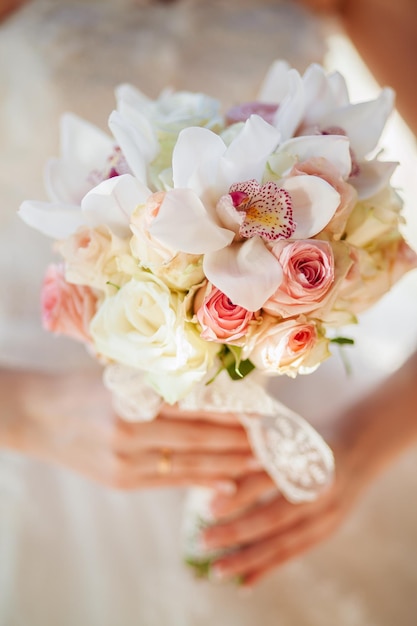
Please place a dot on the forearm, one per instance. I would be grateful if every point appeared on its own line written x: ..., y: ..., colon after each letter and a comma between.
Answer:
x: 380, y: 427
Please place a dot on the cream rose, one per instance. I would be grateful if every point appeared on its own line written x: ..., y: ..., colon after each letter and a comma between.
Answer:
x: 373, y: 274
x: 220, y: 319
x: 177, y: 269
x: 67, y: 309
x: 374, y: 218
x: 94, y: 257
x: 290, y: 347
x: 143, y: 326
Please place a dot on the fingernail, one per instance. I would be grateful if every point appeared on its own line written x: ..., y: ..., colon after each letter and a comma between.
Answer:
x: 228, y: 487
x: 253, y: 463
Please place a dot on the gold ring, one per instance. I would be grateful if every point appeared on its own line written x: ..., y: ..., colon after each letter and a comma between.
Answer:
x: 165, y: 462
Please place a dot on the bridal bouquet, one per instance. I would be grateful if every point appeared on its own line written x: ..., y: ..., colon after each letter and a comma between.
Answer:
x: 198, y: 245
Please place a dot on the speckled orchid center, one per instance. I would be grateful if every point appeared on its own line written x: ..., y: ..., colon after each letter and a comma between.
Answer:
x: 115, y: 166
x: 267, y: 210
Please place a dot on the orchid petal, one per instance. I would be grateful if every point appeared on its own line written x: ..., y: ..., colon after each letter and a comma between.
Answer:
x: 58, y: 221
x: 373, y: 177
x: 137, y: 149
x: 275, y: 85
x: 337, y: 84
x: 314, y: 202
x: 333, y: 148
x: 113, y: 201
x: 131, y: 103
x: 83, y: 142
x: 291, y: 110
x: 319, y: 96
x: 85, y: 149
x: 183, y: 224
x: 248, y: 153
x: 126, y: 93
x: 195, y: 159
x: 363, y: 122
x: 247, y: 273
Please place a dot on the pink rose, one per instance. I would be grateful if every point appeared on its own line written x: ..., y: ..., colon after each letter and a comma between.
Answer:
x: 308, y: 275
x: 220, y: 319
x: 289, y: 347
x: 66, y: 308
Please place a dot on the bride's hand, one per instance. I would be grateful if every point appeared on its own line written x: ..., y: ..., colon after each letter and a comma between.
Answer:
x: 264, y: 530
x: 68, y: 419
x: 267, y: 530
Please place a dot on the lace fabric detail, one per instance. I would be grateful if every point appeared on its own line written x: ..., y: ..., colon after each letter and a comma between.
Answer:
x: 291, y: 451
x: 289, y: 448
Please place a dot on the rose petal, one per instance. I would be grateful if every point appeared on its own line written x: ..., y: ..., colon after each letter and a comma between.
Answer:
x: 314, y: 204
x: 183, y: 224
x: 247, y: 273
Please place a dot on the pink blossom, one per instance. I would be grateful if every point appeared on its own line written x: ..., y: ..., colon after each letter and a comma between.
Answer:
x: 220, y: 319
x: 308, y: 275
x: 67, y: 309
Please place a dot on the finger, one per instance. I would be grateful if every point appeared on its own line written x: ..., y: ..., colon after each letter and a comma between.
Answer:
x: 182, y: 435
x: 254, y: 561
x: 267, y: 518
x: 173, y: 411
x: 251, y: 488
x: 195, y: 465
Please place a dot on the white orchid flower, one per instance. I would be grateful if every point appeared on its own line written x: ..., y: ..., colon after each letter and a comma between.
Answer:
x: 319, y: 103
x: 220, y: 209
x: 155, y: 124
x: 88, y: 157
x: 111, y: 202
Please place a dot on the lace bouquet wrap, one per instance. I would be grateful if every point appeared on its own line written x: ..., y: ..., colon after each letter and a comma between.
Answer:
x: 197, y: 246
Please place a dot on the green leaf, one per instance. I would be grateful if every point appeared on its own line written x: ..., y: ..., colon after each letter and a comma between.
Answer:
x: 238, y: 371
x: 343, y: 341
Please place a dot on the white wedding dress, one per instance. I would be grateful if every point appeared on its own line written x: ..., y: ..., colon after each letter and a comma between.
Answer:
x: 73, y: 553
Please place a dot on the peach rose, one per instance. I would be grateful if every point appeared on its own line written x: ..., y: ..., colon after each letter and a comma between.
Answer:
x: 290, y: 347
x: 308, y: 275
x: 177, y: 269
x: 318, y: 166
x: 93, y: 257
x: 219, y: 318
x: 67, y: 309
